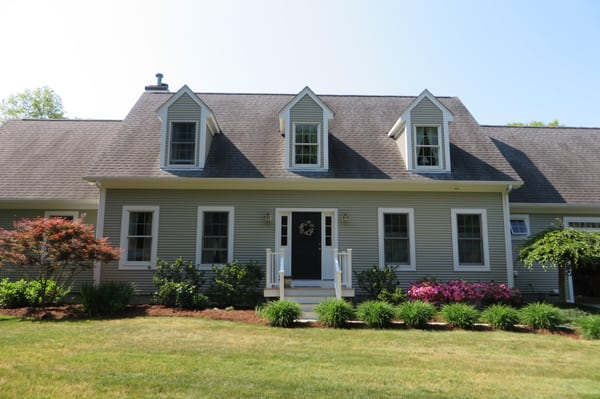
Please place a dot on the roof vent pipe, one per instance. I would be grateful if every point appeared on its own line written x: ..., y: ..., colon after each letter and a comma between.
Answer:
x: 159, y: 86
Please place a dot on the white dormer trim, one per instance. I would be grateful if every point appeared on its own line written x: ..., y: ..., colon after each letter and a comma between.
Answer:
x: 285, y: 127
x: 206, y: 123
x: 404, y: 125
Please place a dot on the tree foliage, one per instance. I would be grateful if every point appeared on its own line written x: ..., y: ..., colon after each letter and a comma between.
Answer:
x: 53, y: 249
x: 40, y: 103
x: 566, y: 249
x: 553, y: 123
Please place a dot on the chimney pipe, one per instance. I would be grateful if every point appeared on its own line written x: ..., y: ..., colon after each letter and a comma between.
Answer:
x: 159, y: 86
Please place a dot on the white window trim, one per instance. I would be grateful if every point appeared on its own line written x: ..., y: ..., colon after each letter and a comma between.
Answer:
x: 524, y: 218
x: 411, y: 266
x: 138, y: 265
x: 302, y: 166
x: 441, y: 153
x: 568, y: 220
x: 485, y: 267
x: 199, y: 228
x: 196, y: 146
x: 73, y: 214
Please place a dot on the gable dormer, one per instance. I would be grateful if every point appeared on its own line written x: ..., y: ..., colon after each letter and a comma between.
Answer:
x: 188, y: 126
x: 304, y: 123
x: 423, y: 136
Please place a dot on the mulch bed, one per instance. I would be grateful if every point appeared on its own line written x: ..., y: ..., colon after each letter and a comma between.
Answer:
x: 75, y: 312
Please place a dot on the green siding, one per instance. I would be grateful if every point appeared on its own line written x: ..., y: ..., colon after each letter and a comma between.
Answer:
x: 307, y: 110
x: 427, y: 113
x: 178, y: 219
x: 7, y: 216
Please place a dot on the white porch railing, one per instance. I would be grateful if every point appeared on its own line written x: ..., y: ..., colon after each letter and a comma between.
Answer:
x: 342, y: 270
x: 276, y: 275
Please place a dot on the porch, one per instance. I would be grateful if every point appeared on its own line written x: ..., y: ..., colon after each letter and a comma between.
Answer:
x: 308, y: 292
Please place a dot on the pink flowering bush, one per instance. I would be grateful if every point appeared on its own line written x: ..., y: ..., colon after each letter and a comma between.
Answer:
x: 480, y: 294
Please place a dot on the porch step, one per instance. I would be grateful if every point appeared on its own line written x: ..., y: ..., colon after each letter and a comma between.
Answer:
x: 308, y: 297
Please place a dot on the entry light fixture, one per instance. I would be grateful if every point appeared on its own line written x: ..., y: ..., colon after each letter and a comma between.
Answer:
x: 345, y: 218
x: 268, y: 218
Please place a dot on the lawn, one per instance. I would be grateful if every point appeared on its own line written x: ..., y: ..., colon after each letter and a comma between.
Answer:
x: 155, y: 357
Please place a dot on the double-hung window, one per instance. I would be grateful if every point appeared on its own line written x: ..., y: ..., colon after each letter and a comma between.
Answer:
x: 470, y: 239
x: 215, y: 235
x: 139, y: 236
x: 306, y: 144
x: 397, y: 238
x: 427, y: 147
x: 182, y: 145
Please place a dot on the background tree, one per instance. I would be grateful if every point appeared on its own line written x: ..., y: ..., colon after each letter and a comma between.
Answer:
x: 53, y: 249
x: 567, y: 249
x: 40, y: 103
x: 554, y: 123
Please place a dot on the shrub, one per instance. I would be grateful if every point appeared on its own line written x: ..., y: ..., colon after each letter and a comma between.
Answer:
x: 395, y: 298
x: 107, y: 298
x: 377, y: 280
x: 479, y: 294
x: 376, y: 314
x: 460, y: 315
x: 236, y: 285
x: 416, y: 314
x: 45, y: 292
x: 20, y: 293
x: 334, y: 312
x: 499, y: 316
x: 179, y: 284
x: 590, y: 327
x: 280, y: 313
x: 572, y: 315
x: 540, y: 315
x: 13, y: 294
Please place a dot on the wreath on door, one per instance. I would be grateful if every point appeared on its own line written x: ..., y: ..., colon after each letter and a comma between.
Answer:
x: 306, y: 228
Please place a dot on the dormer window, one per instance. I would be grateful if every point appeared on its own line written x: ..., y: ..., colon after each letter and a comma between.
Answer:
x: 422, y: 134
x: 182, y: 149
x: 306, y: 144
x: 304, y: 124
x: 428, y: 146
x: 188, y: 126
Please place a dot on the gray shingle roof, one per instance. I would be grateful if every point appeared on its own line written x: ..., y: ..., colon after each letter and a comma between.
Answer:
x: 558, y: 165
x: 251, y: 145
x: 46, y: 159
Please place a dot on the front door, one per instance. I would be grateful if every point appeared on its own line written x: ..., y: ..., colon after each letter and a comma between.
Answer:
x: 306, y: 245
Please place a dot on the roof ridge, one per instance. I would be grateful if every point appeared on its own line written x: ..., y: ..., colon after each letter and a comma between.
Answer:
x: 66, y: 120
x: 541, y: 127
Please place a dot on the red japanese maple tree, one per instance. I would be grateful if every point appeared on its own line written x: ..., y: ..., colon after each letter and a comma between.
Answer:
x: 54, y: 248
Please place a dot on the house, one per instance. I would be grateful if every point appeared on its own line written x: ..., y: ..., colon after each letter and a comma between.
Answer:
x: 312, y: 187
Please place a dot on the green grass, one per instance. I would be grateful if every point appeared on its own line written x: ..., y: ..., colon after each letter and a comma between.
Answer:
x: 196, y: 358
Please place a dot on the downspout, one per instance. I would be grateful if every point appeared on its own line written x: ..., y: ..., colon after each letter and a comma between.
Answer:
x: 510, y: 276
x: 99, y: 230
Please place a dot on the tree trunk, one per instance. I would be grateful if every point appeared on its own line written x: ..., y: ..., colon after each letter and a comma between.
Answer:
x: 562, y: 283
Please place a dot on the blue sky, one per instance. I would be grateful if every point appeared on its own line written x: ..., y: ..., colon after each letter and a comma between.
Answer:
x: 506, y: 60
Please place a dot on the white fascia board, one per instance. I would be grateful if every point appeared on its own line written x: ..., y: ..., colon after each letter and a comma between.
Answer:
x: 397, y: 128
x: 316, y: 184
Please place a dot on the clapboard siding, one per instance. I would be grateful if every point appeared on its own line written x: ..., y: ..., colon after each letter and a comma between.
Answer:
x: 7, y: 216
x: 427, y: 113
x: 178, y: 224
x: 183, y: 109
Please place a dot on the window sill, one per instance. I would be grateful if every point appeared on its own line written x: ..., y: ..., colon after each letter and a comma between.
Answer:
x: 471, y: 268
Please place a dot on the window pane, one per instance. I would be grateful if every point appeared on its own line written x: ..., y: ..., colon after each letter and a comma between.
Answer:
x: 139, y: 249
x: 428, y: 148
x: 183, y: 143
x: 306, y: 144
x: 395, y: 238
x: 470, y: 241
x: 215, y: 237
x: 140, y: 224
x: 518, y: 227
